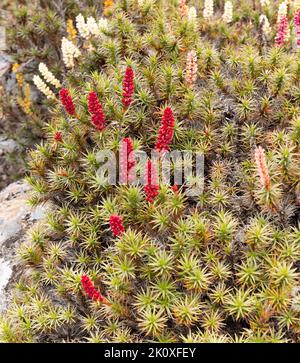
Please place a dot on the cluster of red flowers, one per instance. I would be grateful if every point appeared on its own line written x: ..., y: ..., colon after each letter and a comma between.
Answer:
x: 127, y: 160
x: 282, y: 31
x: 151, y: 187
x: 90, y: 290
x: 128, y: 87
x: 166, y: 131
x: 95, y: 109
x: 58, y: 136
x: 127, y: 157
x: 116, y: 225
x: 297, y: 27
x: 67, y: 101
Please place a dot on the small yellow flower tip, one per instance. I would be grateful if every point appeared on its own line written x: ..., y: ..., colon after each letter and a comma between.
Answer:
x: 15, y: 67
x: 107, y: 5
x: 19, y: 75
x: 71, y: 30
x: 25, y: 102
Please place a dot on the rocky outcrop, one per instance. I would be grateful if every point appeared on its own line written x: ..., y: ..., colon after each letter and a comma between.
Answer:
x: 8, y: 168
x: 16, y: 217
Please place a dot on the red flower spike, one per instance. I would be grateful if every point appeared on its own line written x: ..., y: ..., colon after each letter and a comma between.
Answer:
x: 67, y: 101
x: 58, y: 136
x: 116, y: 225
x: 90, y: 290
x: 96, y: 111
x: 151, y: 187
x: 128, y: 87
x: 166, y: 131
x: 127, y: 161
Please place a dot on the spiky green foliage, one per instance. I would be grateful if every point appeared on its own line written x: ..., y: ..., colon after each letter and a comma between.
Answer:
x: 223, y: 267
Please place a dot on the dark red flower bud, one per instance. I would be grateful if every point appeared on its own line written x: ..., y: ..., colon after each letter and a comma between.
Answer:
x: 127, y: 161
x: 166, y: 131
x: 90, y: 290
x: 95, y: 109
x: 116, y: 225
x: 67, y: 101
x: 151, y: 187
x: 128, y: 87
x: 175, y: 188
x: 58, y: 136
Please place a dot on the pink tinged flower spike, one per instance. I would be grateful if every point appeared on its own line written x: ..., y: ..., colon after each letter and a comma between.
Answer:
x: 127, y: 161
x: 297, y: 28
x: 182, y: 8
x: 95, y: 108
x: 67, y: 101
x: 116, y: 225
x: 128, y: 87
x: 282, y: 31
x: 166, y: 131
x: 151, y: 187
x: 91, y: 291
x: 261, y: 167
x: 191, y: 68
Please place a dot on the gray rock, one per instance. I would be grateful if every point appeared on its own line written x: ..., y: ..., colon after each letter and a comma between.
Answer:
x: 16, y: 217
x: 7, y: 146
x: 5, y: 64
x: 5, y: 275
